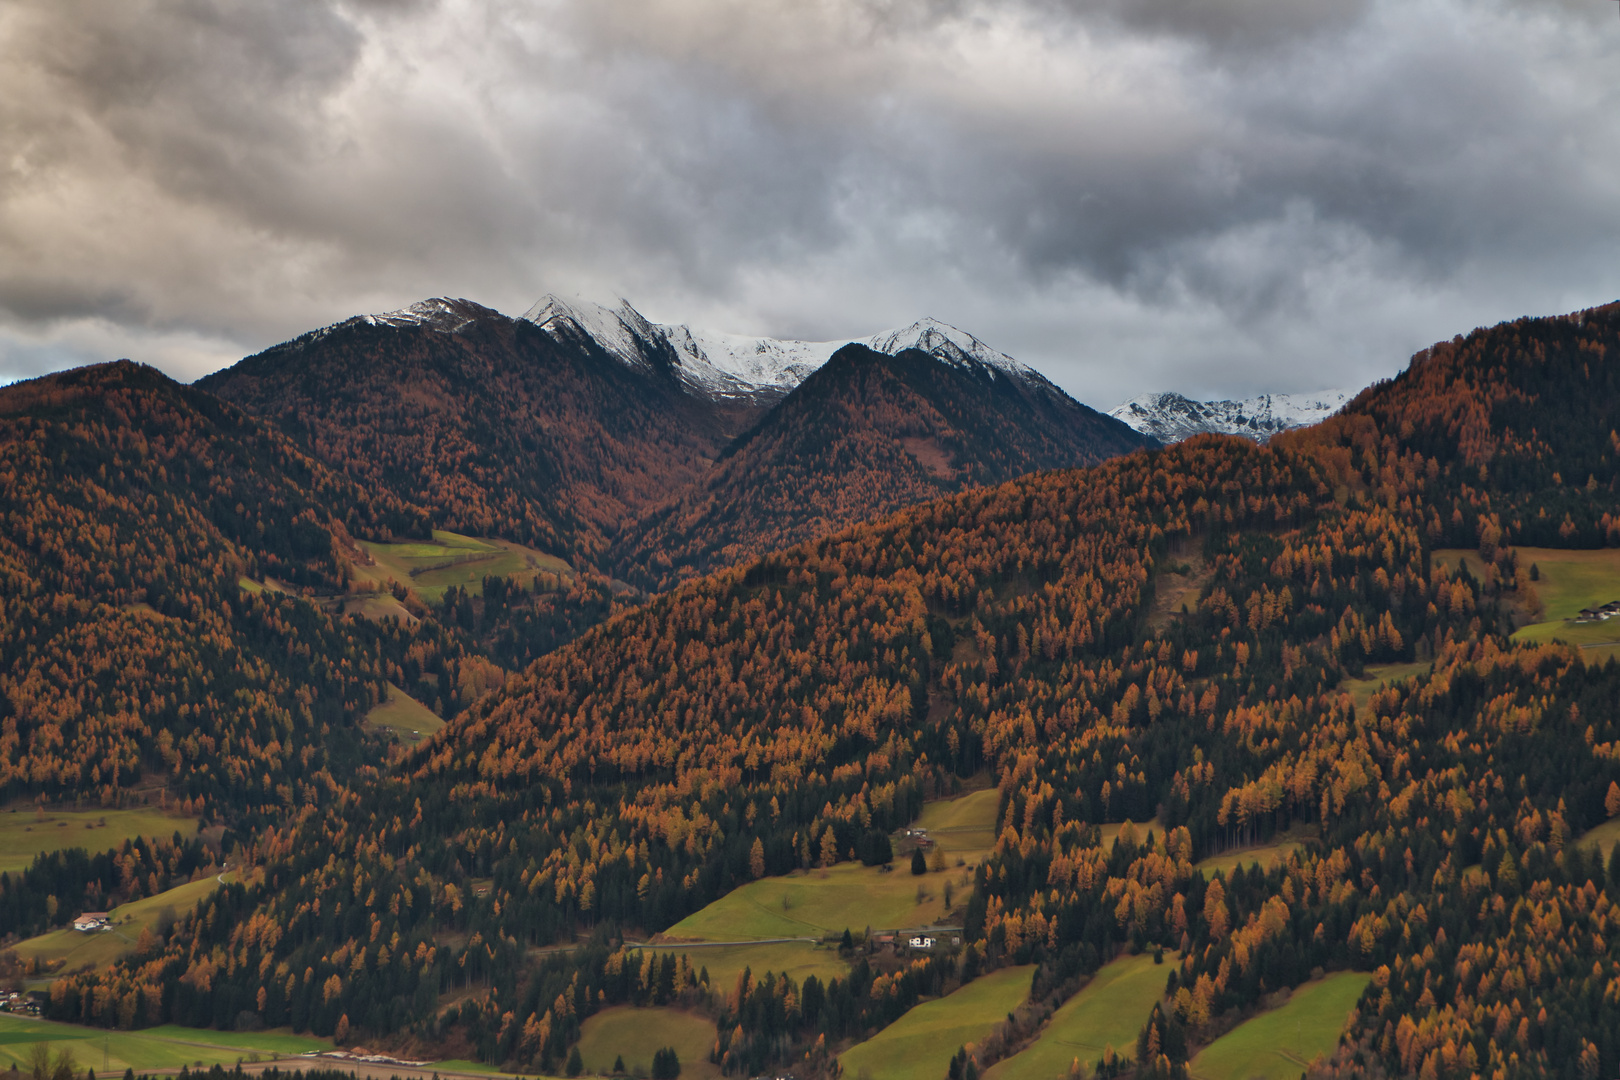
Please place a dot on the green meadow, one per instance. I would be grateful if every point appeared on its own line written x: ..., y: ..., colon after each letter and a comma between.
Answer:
x: 405, y: 716
x: 1263, y: 856
x: 167, y: 1047
x: 920, y: 1045
x: 1376, y: 676
x: 965, y: 826
x: 818, y: 903
x: 86, y: 950
x: 815, y: 903
x: 25, y: 833
x: 797, y: 959
x: 1108, y: 1011
x: 428, y: 569
x: 1603, y: 837
x: 636, y: 1034
x: 1569, y: 580
x: 1279, y: 1044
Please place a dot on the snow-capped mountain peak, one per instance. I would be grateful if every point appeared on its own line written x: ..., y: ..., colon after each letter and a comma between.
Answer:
x: 725, y: 365
x: 1171, y: 417
x: 947, y: 343
x: 439, y: 313
x: 621, y: 332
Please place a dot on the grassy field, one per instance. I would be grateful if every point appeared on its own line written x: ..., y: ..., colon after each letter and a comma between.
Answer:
x: 964, y: 827
x: 849, y: 896
x: 1603, y: 837
x: 1377, y: 675
x: 816, y: 903
x: 1109, y: 1011
x: 81, y: 950
x: 1279, y: 1044
x: 637, y: 1033
x: 919, y: 1045
x: 1264, y: 855
x: 154, y: 1048
x: 24, y: 834
x: 1569, y: 581
x: 428, y: 569
x: 1110, y: 832
x: 405, y: 716
x: 796, y: 958
x: 377, y: 606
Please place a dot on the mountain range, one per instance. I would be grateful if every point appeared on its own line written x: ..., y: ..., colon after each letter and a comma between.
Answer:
x: 759, y: 370
x: 1326, y: 675
x: 657, y: 450
x: 1171, y: 417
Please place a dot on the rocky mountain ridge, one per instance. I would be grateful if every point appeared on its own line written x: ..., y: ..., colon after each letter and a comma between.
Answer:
x: 762, y: 370
x: 1172, y: 417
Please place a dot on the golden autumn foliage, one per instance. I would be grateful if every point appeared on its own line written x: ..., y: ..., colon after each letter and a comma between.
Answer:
x: 784, y: 712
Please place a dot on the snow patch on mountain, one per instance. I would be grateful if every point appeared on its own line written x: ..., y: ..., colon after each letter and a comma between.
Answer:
x: 622, y: 332
x: 1171, y: 417
x: 438, y: 313
x: 725, y: 365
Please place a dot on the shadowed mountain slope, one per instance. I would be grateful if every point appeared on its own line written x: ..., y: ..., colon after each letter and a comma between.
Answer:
x: 864, y: 435
x: 490, y: 425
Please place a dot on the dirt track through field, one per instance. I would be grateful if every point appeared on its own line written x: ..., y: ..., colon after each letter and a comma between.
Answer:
x: 362, y: 1070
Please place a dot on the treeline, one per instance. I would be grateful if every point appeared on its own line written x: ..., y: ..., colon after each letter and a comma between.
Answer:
x: 1518, y: 423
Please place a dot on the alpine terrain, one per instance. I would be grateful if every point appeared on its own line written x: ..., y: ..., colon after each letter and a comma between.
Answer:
x: 958, y: 730
x: 1171, y: 417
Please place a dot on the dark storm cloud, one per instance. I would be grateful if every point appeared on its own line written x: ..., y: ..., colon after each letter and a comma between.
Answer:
x: 1214, y: 195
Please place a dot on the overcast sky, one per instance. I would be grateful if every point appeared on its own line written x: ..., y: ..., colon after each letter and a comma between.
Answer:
x: 1215, y: 196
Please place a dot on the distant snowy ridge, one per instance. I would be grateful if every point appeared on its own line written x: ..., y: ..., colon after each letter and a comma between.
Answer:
x: 739, y: 366
x: 1172, y: 417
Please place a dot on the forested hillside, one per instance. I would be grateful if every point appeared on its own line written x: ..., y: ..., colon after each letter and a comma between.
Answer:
x: 1162, y: 638
x: 132, y: 507
x: 863, y: 436
x: 1520, y: 422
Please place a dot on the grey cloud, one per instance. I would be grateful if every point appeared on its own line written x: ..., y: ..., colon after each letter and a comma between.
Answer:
x: 1240, y: 25
x: 1211, y: 195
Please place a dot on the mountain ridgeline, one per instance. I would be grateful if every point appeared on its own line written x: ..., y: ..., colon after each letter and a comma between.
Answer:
x: 490, y: 425
x: 1187, y: 636
x: 866, y: 434
x: 589, y: 433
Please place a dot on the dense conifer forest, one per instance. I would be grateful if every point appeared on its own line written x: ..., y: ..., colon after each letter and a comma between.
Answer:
x: 1163, y: 638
